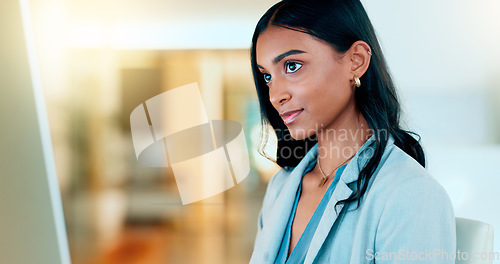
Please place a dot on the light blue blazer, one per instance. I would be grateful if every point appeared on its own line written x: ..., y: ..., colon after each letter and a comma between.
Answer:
x: 405, y: 216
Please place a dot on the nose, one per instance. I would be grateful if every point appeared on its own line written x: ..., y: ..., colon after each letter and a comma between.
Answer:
x: 278, y: 94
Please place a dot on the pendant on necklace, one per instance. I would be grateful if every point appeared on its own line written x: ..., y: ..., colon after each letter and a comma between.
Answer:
x: 323, y: 181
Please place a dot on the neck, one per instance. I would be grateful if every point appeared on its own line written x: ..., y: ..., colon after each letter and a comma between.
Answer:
x: 338, y: 143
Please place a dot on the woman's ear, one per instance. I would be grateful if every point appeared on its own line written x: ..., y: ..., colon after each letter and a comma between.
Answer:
x: 360, y: 58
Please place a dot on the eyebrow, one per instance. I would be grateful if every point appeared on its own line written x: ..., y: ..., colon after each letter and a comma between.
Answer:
x: 284, y: 55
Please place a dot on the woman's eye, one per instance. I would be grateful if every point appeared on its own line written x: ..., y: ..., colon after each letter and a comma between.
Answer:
x: 267, y: 77
x: 291, y: 67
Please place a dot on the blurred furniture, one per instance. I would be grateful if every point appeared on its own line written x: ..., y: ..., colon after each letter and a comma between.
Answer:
x: 474, y: 242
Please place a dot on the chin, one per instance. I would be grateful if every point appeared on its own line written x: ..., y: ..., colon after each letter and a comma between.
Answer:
x: 300, y: 133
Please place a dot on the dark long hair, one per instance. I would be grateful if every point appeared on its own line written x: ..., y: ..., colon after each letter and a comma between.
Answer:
x: 339, y: 23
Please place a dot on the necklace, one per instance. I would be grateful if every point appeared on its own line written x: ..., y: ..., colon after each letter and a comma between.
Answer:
x: 325, y: 177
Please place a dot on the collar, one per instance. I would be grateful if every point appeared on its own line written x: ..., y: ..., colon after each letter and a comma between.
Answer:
x: 274, y: 228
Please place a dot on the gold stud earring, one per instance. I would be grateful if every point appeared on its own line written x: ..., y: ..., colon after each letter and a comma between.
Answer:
x: 357, y: 81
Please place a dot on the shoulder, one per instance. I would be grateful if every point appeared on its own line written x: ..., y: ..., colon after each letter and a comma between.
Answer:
x: 412, y: 211
x: 397, y: 168
x: 401, y: 182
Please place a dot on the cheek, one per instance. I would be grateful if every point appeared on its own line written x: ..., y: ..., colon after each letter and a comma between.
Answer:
x: 326, y: 86
x: 328, y: 96
x: 336, y: 82
x: 322, y: 88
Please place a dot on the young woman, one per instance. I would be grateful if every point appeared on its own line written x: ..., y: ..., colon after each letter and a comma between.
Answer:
x: 353, y: 187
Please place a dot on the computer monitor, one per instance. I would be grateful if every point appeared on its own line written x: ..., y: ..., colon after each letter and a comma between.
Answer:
x: 32, y: 228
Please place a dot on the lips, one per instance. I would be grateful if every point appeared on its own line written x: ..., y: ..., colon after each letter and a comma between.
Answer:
x: 290, y: 116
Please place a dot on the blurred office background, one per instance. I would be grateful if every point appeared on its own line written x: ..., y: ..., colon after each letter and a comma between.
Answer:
x: 100, y: 59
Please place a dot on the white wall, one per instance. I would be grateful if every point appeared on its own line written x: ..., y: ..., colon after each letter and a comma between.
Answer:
x: 445, y: 58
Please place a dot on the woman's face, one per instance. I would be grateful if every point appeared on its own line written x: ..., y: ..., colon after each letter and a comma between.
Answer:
x: 307, y: 77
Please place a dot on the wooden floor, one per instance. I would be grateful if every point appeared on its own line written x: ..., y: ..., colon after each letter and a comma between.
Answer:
x: 199, y: 233
x: 136, y: 245
x: 196, y: 241
x: 160, y: 245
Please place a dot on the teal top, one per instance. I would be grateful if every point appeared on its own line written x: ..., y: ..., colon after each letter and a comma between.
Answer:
x: 299, y: 252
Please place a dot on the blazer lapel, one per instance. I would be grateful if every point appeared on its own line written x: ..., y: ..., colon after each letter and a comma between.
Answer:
x: 274, y: 228
x: 341, y: 192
